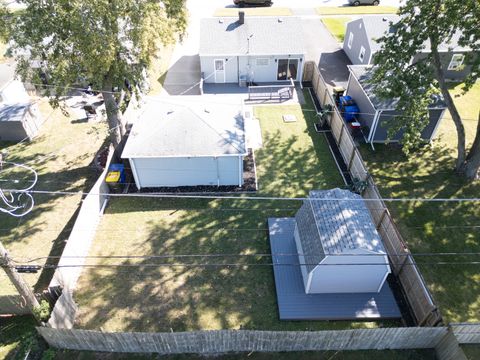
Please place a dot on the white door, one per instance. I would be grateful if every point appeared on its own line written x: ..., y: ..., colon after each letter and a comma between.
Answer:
x: 219, y: 70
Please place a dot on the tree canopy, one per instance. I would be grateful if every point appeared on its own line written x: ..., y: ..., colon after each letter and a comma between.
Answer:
x: 413, y: 79
x: 105, y: 43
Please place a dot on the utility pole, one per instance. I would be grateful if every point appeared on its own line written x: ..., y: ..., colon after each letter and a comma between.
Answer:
x: 22, y: 287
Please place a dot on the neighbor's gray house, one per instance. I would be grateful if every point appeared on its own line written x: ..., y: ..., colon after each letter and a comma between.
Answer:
x: 186, y: 145
x: 251, y: 49
x: 376, y: 114
x: 339, y: 248
x: 360, y: 45
x: 19, y: 117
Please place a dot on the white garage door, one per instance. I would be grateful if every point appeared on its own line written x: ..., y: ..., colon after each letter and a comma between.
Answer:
x: 186, y: 171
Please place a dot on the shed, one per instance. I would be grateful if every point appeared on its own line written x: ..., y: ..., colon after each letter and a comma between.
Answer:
x: 187, y: 145
x: 19, y: 117
x: 376, y: 114
x: 361, y: 44
x: 339, y: 249
x: 254, y: 49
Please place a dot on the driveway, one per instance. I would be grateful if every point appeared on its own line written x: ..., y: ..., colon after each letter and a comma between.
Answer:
x: 326, y: 52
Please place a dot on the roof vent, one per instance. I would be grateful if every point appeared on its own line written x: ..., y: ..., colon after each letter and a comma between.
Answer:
x: 384, y: 19
x: 280, y: 20
x: 220, y: 21
x: 207, y: 110
x: 241, y: 17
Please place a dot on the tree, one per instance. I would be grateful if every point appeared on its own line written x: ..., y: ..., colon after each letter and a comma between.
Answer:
x: 105, y: 43
x: 433, y: 23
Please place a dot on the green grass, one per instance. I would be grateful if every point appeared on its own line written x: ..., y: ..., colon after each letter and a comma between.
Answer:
x: 471, y: 351
x: 15, y: 333
x: 61, y: 154
x: 260, y: 11
x: 307, y: 355
x: 337, y: 26
x: 293, y: 161
x: 355, y: 10
x: 439, y: 226
x: 157, y: 72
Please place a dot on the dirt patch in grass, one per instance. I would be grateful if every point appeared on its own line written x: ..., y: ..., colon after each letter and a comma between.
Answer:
x: 260, y: 11
x: 355, y: 10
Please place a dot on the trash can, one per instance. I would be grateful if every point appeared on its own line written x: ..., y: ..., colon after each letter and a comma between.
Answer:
x: 115, y: 177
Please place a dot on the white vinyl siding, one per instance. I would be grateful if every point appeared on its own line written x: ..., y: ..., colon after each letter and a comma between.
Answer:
x: 361, y: 55
x: 262, y: 61
x: 456, y: 62
x: 350, y: 40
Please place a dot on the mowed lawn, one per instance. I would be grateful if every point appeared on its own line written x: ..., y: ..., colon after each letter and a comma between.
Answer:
x: 154, y: 298
x: 61, y: 154
x: 437, y: 226
x: 337, y: 26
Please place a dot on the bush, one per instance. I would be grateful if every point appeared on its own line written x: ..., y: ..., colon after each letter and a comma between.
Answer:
x: 42, y: 312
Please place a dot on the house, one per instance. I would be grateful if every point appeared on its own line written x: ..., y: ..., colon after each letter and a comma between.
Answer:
x: 339, y: 249
x: 174, y: 145
x: 361, y: 44
x: 19, y: 117
x: 376, y: 114
x: 251, y: 49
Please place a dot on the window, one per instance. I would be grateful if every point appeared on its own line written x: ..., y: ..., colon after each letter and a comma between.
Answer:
x: 361, y: 55
x: 456, y: 62
x: 262, y: 62
x: 350, y: 40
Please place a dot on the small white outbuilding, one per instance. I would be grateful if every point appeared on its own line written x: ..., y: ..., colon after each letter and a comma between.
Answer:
x: 339, y: 249
x: 187, y: 145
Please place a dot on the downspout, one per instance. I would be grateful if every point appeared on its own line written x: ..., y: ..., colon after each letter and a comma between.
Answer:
x: 218, y: 171
x: 240, y: 175
x: 375, y: 125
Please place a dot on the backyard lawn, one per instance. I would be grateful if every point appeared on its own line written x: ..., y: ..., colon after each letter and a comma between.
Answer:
x: 293, y: 161
x: 61, y: 154
x: 439, y: 226
x: 337, y: 26
x: 355, y: 10
x: 15, y: 335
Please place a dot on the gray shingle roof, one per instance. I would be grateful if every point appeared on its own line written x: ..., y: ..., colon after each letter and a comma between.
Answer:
x: 7, y: 74
x: 271, y: 36
x: 14, y: 112
x: 363, y: 74
x: 167, y: 130
x: 340, y: 226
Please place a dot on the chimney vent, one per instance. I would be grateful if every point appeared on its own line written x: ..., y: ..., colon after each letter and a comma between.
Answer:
x: 241, y: 17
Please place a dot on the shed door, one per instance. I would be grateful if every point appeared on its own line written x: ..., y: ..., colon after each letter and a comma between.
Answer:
x: 219, y: 70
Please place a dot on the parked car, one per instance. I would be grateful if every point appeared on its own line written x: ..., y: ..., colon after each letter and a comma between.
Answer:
x: 363, y: 2
x: 242, y: 3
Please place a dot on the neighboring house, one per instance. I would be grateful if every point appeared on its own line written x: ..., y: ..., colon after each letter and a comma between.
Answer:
x: 376, y: 114
x: 361, y: 44
x: 19, y: 117
x: 180, y: 145
x: 333, y: 236
x: 251, y: 49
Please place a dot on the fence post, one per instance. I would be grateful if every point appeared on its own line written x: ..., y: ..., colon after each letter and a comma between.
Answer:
x: 350, y: 162
x: 341, y: 135
x: 379, y: 225
x: 448, y: 348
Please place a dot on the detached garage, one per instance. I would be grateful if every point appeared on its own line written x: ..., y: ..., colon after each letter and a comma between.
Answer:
x: 177, y: 145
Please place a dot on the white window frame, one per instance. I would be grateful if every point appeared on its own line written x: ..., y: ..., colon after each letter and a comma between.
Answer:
x: 456, y: 62
x: 350, y: 40
x: 361, y: 54
x: 262, y: 61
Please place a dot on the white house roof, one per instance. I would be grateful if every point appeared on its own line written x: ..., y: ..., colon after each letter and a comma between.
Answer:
x: 339, y: 222
x: 167, y: 130
x: 13, y: 112
x: 257, y: 36
x: 7, y: 74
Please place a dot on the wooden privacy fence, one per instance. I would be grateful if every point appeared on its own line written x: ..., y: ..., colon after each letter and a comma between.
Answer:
x: 223, y: 341
x: 403, y: 265
x: 467, y: 333
x: 13, y: 304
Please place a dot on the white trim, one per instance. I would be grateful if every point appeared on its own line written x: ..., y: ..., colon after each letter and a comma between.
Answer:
x: 135, y: 174
x: 370, y: 58
x: 240, y: 172
x: 215, y: 71
x: 350, y: 40
x: 309, y: 282
x: 384, y: 278
x: 299, y: 67
x: 456, y: 63
x: 434, y: 132
x: 361, y: 87
x: 379, y: 112
x: 178, y: 156
x: 361, y: 56
x: 348, y: 82
x: 370, y: 134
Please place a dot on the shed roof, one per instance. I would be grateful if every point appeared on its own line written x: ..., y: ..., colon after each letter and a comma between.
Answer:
x: 7, y: 74
x: 257, y: 36
x: 168, y: 130
x: 342, y: 224
x: 363, y: 74
x: 13, y: 112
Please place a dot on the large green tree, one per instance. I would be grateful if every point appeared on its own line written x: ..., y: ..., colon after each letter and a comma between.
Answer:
x: 100, y: 42
x: 431, y: 23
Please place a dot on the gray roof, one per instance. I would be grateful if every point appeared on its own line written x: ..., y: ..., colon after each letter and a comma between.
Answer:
x: 167, y: 130
x: 268, y: 36
x: 7, y: 74
x: 13, y: 112
x: 339, y: 226
x: 363, y: 74
x: 378, y: 26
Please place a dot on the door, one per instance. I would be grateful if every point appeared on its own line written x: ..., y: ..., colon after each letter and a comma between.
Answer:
x: 287, y: 69
x: 219, y: 70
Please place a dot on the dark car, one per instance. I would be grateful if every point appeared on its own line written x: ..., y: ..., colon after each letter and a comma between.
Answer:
x: 363, y: 2
x: 242, y: 3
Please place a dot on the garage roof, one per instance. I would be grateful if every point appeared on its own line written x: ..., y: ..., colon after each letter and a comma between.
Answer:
x: 173, y: 130
x: 267, y: 36
x: 7, y: 74
x: 14, y: 112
